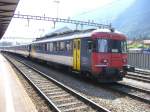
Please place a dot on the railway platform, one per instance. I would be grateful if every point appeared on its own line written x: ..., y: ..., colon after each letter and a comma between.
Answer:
x: 13, y: 97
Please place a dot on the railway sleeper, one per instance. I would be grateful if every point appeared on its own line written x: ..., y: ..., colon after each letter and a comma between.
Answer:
x: 61, y: 100
x: 79, y: 108
x: 72, y: 104
x: 60, y: 96
x: 52, y: 90
x: 57, y: 93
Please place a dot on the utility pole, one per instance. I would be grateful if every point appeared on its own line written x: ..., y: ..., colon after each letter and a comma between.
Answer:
x: 57, y: 3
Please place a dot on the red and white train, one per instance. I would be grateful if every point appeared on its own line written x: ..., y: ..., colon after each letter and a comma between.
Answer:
x: 100, y: 53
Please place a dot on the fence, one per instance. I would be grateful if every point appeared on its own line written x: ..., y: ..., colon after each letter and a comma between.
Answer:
x: 139, y: 60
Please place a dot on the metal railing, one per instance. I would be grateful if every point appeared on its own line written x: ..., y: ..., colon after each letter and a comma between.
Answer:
x: 139, y: 60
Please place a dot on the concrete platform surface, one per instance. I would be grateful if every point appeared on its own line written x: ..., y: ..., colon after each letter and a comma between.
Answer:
x: 13, y: 97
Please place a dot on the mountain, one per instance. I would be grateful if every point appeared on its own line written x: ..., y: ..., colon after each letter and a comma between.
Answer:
x: 128, y: 16
x: 106, y: 13
x: 134, y: 21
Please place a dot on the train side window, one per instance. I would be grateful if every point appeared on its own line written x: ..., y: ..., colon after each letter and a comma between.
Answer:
x: 42, y: 47
x: 68, y: 45
x: 54, y: 46
x: 58, y: 46
x: 36, y: 47
x: 62, y: 46
x: 51, y: 47
x: 39, y: 47
x: 45, y: 47
x: 90, y: 45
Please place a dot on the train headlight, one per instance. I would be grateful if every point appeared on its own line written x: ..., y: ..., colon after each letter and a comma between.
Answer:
x: 124, y: 60
x: 104, y: 61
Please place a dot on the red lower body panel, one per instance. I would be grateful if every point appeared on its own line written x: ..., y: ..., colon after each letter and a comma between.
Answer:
x: 108, y: 66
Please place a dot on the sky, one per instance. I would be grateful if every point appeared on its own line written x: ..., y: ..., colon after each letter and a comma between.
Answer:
x: 26, y: 31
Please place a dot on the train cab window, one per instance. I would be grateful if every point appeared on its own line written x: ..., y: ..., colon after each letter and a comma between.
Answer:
x: 124, y: 46
x: 117, y: 46
x: 102, y: 45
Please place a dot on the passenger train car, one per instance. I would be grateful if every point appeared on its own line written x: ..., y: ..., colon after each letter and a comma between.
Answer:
x: 23, y: 50
x: 100, y: 53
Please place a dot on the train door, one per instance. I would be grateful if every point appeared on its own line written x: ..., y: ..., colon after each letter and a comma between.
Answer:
x: 76, y: 54
x: 29, y: 49
x: 32, y: 51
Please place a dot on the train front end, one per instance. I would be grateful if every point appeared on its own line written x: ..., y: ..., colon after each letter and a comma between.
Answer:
x: 109, y: 56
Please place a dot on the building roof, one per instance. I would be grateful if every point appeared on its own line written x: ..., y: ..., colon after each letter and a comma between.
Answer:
x: 7, y: 9
x: 146, y: 42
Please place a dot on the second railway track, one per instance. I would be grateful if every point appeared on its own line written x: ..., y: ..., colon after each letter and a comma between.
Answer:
x: 142, y: 72
x: 59, y: 96
x: 132, y: 91
x: 138, y: 76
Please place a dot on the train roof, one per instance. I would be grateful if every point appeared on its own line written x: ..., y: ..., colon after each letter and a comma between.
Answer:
x: 73, y: 35
x: 18, y: 45
x: 107, y: 31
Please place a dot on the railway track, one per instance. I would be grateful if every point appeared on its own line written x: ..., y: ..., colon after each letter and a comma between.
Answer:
x: 142, y: 72
x: 132, y: 91
x: 138, y: 76
x: 59, y: 97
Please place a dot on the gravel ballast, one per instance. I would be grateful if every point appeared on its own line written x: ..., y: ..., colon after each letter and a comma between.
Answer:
x: 111, y: 100
x: 38, y: 101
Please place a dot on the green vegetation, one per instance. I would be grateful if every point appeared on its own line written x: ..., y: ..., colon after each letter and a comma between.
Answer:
x: 137, y: 45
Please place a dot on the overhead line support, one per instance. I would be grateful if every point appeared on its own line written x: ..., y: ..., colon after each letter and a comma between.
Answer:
x: 56, y: 20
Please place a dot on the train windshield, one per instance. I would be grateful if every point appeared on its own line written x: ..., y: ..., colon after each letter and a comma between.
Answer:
x: 112, y: 46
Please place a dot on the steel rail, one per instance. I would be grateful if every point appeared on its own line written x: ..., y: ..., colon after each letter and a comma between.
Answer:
x: 142, y: 72
x: 137, y: 77
x: 84, y: 99
x: 131, y: 91
x: 52, y: 105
